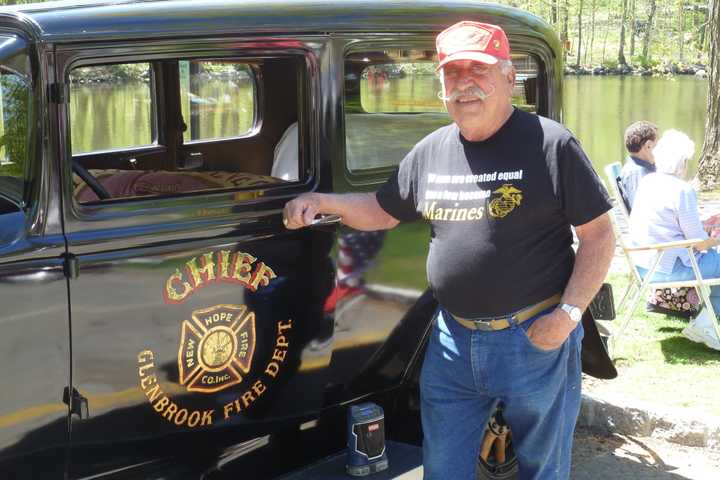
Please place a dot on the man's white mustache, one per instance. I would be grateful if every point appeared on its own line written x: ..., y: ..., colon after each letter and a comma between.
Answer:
x: 474, y: 91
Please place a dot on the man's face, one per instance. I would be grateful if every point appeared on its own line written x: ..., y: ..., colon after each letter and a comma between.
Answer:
x: 464, y: 79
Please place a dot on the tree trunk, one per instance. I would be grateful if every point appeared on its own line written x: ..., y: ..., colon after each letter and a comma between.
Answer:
x: 709, y: 165
x: 621, y: 49
x: 703, y: 28
x: 579, y: 47
x: 607, y: 29
x: 681, y: 30
x: 592, y: 35
x: 648, y: 28
x: 633, y: 21
x: 566, y: 12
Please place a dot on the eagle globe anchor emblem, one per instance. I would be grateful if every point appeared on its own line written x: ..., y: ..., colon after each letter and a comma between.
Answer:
x: 510, y: 197
x: 216, y: 348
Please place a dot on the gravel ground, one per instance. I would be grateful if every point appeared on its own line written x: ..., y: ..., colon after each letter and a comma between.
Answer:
x: 598, y: 455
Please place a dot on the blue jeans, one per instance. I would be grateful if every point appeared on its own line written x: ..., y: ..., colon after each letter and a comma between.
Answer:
x: 467, y: 372
x: 709, y: 264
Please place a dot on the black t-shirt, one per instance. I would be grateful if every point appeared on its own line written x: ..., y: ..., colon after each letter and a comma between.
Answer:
x: 500, y: 211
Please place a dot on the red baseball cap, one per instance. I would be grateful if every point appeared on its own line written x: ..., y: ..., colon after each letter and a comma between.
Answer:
x: 466, y: 40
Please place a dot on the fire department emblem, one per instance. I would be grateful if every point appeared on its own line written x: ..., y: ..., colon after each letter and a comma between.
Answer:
x: 510, y: 197
x: 216, y: 348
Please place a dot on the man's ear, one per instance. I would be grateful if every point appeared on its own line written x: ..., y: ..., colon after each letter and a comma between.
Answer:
x: 511, y: 77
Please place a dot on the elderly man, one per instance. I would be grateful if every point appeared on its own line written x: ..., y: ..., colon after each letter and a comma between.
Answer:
x: 501, y: 263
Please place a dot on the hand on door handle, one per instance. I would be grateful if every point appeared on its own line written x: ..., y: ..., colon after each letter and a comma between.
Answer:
x: 321, y: 220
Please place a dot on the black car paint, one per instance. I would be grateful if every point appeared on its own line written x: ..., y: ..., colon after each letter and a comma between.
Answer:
x: 83, y: 285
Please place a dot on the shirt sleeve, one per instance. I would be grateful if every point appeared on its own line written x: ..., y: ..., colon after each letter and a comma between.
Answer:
x: 689, y: 215
x: 582, y: 194
x: 397, y: 196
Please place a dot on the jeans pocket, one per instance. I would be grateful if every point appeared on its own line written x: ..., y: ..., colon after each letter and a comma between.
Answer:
x: 535, y: 348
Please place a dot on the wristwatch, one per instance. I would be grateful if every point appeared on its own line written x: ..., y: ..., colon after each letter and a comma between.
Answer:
x: 573, y: 312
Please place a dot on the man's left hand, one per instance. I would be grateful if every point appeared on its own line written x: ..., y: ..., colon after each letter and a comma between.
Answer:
x: 551, y: 330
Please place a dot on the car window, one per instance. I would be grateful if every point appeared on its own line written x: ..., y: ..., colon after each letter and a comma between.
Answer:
x: 15, y: 102
x: 218, y: 99
x: 178, y: 126
x: 110, y: 107
x: 392, y: 101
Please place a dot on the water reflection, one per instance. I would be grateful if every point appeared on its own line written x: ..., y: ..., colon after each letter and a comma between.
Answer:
x: 597, y: 110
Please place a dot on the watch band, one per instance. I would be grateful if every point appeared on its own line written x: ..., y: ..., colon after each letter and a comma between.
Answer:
x: 573, y: 312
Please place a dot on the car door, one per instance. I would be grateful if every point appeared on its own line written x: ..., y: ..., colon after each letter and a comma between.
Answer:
x: 197, y: 318
x: 34, y: 324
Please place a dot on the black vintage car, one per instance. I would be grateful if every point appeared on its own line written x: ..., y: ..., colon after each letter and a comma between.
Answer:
x: 157, y: 320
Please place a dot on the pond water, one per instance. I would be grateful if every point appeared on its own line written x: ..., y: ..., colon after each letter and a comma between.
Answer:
x: 596, y: 109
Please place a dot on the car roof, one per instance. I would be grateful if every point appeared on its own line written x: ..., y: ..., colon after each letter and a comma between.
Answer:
x: 83, y: 20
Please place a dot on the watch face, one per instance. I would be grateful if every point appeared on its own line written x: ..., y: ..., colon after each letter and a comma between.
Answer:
x: 573, y: 312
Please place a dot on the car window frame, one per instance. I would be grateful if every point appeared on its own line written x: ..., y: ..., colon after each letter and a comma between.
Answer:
x: 258, y: 97
x: 154, y: 126
x: 347, y: 180
x: 307, y: 48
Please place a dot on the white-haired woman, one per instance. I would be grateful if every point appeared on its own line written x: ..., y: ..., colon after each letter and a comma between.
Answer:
x: 666, y: 210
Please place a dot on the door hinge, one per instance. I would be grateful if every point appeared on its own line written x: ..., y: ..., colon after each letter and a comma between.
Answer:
x: 58, y: 92
x: 71, y: 265
x: 77, y: 403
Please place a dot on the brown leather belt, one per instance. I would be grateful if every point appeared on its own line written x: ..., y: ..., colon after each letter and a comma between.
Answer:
x: 492, y: 324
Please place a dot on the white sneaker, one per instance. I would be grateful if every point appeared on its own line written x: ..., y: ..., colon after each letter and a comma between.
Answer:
x: 704, y: 335
x: 703, y: 319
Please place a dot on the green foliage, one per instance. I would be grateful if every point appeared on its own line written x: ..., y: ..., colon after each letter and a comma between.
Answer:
x: 111, y: 73
x: 13, y: 141
x: 645, y: 62
x: 610, y: 63
x: 679, y: 34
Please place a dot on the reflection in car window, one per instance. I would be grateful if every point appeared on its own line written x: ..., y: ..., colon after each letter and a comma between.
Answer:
x: 391, y: 102
x: 14, y: 110
x: 110, y: 107
x: 217, y: 99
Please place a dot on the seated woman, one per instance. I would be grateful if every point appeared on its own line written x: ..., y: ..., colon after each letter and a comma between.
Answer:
x: 666, y: 210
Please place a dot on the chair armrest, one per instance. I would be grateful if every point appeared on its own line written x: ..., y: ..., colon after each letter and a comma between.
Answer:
x: 697, y: 243
x: 707, y: 244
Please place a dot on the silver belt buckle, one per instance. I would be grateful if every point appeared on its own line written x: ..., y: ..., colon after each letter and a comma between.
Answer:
x: 483, y: 325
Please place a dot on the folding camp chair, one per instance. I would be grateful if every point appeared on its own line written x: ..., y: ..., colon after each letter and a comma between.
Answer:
x: 620, y: 219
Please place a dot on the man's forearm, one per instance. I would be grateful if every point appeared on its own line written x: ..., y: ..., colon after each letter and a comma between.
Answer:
x: 592, y: 261
x: 360, y: 211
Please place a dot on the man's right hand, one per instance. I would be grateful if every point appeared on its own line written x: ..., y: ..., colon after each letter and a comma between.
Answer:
x: 301, y: 211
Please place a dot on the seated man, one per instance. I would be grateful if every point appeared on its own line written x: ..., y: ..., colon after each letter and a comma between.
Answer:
x: 640, y: 139
x: 666, y: 210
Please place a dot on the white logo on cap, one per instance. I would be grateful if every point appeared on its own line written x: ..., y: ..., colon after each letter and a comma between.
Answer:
x: 464, y: 37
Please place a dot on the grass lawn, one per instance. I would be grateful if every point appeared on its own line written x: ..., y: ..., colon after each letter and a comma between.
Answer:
x: 401, y: 261
x: 658, y: 365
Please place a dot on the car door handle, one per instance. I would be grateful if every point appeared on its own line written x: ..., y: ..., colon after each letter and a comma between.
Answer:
x: 326, y: 220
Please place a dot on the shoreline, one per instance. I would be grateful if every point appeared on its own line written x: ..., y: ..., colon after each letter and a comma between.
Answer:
x: 671, y: 69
